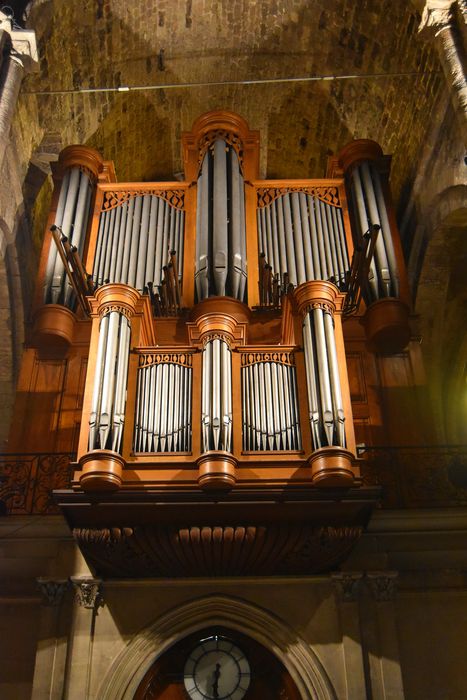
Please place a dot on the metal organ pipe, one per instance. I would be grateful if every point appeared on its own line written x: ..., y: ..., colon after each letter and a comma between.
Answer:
x: 220, y: 265
x: 134, y: 242
x: 270, y: 406
x: 72, y: 217
x: 304, y: 236
x: 107, y: 415
x: 325, y: 403
x: 370, y: 207
x: 216, y: 404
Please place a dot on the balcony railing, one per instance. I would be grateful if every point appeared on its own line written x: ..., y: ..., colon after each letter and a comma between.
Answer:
x: 426, y: 476
x: 411, y: 477
x: 27, y: 481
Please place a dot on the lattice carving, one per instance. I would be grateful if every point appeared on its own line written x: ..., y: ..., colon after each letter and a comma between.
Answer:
x: 115, y: 198
x: 281, y: 357
x: 146, y: 359
x: 328, y: 194
x: 228, y: 136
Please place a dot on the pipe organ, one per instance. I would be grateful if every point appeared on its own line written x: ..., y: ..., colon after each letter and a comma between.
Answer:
x: 222, y: 387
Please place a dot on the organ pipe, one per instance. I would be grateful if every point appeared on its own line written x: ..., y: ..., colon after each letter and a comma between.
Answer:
x: 302, y: 236
x: 370, y: 209
x: 107, y: 415
x: 136, y: 241
x: 72, y: 217
x: 326, y: 409
x: 220, y: 265
x: 163, y: 408
x: 270, y: 406
x: 216, y: 404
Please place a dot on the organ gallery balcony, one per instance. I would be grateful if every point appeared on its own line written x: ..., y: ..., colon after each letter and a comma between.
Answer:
x: 201, y: 346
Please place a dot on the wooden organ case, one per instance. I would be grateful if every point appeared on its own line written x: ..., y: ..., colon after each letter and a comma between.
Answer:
x: 189, y: 346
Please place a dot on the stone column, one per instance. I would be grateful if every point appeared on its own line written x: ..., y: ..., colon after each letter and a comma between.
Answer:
x: 51, y: 648
x: 443, y: 23
x: 21, y: 57
x: 88, y: 598
x: 347, y: 585
x: 383, y: 651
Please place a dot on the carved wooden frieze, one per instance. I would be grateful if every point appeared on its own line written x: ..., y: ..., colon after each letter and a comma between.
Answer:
x: 215, y: 550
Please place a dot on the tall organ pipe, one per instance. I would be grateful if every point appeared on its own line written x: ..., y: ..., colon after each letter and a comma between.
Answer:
x: 72, y: 217
x: 216, y: 403
x: 370, y: 209
x: 304, y: 236
x: 323, y: 382
x: 135, y: 239
x: 107, y: 414
x: 220, y: 265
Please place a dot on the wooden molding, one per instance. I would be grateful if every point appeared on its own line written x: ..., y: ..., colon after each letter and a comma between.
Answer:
x: 357, y: 151
x: 222, y: 315
x: 82, y: 157
x: 217, y: 471
x: 101, y: 470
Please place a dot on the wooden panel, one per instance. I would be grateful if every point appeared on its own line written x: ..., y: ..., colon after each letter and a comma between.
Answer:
x: 37, y: 415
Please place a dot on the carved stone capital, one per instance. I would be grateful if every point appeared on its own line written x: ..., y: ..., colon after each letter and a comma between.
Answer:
x: 88, y: 591
x: 52, y: 590
x: 437, y: 15
x: 382, y: 584
x: 23, y: 43
x: 347, y: 584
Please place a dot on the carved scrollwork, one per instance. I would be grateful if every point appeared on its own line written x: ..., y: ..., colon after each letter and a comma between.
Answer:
x: 328, y: 194
x: 327, y: 308
x: 115, y: 198
x: 147, y: 359
x: 229, y: 137
x: 281, y: 357
x: 217, y: 335
x: 116, y: 307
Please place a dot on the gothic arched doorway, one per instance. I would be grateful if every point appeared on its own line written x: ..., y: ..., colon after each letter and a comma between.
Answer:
x: 217, y: 662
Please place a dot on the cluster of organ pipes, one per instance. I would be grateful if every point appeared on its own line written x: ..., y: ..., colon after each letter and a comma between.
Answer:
x: 303, y: 239
x: 269, y: 404
x: 325, y: 403
x: 220, y: 263
x: 296, y: 234
x: 369, y: 208
x: 136, y: 244
x: 72, y: 217
x: 107, y: 416
x: 163, y: 405
x: 216, y: 399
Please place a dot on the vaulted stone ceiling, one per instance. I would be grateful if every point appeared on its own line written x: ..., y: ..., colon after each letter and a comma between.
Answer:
x: 111, y: 43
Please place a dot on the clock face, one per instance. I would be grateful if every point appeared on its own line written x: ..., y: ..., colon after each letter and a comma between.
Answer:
x: 216, y: 670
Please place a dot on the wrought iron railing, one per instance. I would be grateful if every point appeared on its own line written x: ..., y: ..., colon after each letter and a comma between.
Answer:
x: 425, y: 476
x: 27, y: 481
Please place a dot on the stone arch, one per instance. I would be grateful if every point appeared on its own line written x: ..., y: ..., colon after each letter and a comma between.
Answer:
x: 130, y: 666
x: 441, y: 286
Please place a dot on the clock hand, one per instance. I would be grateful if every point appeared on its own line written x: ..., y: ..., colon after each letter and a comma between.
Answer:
x: 215, y: 685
